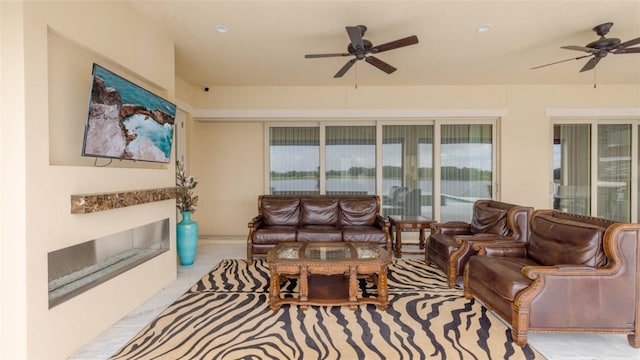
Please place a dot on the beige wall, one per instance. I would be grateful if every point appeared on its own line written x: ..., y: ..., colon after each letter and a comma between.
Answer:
x: 230, y: 151
x: 41, y: 41
x: 13, y: 272
x: 227, y: 159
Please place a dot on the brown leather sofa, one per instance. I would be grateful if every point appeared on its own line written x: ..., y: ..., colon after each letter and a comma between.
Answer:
x: 285, y: 218
x: 451, y: 244
x: 574, y: 274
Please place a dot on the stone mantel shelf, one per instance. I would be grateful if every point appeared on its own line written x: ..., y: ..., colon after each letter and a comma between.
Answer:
x: 89, y: 203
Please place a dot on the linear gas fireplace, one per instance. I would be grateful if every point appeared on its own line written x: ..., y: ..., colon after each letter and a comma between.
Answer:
x: 78, y: 268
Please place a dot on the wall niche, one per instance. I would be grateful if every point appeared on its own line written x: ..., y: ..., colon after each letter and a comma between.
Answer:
x: 70, y: 65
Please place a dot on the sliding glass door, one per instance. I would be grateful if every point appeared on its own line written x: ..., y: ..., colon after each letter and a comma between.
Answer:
x: 466, y: 168
x: 350, y: 160
x: 572, y: 168
x: 432, y: 168
x: 600, y: 153
x: 407, y: 170
x: 614, y: 172
x: 294, y: 159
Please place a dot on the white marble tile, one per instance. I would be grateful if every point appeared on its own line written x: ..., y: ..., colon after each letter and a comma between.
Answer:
x: 210, y: 253
x: 583, y: 346
x: 106, y: 344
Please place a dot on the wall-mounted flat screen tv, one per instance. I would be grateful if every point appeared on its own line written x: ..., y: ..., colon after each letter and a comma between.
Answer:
x: 126, y: 121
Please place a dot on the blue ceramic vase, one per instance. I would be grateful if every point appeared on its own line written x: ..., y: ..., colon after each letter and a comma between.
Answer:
x: 187, y: 239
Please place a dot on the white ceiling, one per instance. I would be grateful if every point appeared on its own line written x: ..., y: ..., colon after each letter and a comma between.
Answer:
x: 267, y: 41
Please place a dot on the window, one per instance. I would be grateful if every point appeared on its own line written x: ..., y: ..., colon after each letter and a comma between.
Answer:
x: 407, y: 170
x: 432, y: 168
x: 601, y: 153
x: 351, y: 160
x: 572, y: 168
x: 294, y: 158
x: 614, y: 171
x: 466, y: 163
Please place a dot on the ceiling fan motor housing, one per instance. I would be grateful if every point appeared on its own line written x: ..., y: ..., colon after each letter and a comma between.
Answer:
x: 360, y: 53
x: 604, y: 43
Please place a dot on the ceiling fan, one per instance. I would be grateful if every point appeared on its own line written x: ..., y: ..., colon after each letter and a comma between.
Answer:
x: 600, y: 48
x: 362, y: 49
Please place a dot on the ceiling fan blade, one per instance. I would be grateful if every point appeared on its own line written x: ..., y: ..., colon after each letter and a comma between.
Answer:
x: 409, y: 40
x: 561, y: 61
x: 355, y: 34
x: 627, y: 51
x: 345, y: 68
x: 581, y: 48
x: 314, y: 56
x: 380, y: 64
x: 628, y: 43
x: 590, y: 64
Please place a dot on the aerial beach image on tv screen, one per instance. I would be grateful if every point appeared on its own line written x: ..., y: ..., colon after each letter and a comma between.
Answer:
x: 126, y: 121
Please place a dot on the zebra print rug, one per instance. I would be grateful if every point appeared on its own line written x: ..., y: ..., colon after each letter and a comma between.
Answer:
x: 226, y: 316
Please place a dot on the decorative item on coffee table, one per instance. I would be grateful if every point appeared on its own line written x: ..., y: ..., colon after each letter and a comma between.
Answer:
x: 187, y: 229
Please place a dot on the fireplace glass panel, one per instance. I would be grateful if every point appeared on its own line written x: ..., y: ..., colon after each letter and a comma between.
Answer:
x: 78, y: 268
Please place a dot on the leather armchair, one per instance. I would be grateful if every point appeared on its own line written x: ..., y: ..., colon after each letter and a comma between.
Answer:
x: 450, y: 244
x: 574, y: 274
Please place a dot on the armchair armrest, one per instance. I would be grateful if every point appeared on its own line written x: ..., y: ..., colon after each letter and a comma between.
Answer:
x: 502, y: 249
x: 382, y: 222
x: 451, y: 228
x: 470, y: 244
x: 255, y: 223
x: 481, y: 238
x: 533, y: 272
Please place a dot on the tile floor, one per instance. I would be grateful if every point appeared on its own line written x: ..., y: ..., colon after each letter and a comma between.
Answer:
x: 211, y: 251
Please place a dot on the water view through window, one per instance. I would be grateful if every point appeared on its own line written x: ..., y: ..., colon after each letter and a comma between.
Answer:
x: 575, y: 146
x: 466, y: 165
x: 351, y: 160
x: 295, y: 160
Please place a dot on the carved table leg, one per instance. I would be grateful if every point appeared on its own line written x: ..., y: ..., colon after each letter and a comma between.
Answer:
x: 398, y: 246
x: 274, y: 290
x: 383, y: 295
x: 353, y: 287
x: 304, y: 288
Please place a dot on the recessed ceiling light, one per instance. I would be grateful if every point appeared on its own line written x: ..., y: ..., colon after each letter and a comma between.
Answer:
x: 485, y: 28
x: 222, y: 29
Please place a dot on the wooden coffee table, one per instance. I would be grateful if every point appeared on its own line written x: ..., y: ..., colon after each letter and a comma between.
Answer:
x: 327, y: 273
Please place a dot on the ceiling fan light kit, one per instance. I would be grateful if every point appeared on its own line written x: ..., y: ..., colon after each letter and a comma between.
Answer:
x: 600, y: 48
x: 363, y: 49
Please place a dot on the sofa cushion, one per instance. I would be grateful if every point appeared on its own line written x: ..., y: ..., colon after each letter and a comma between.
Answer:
x: 364, y: 234
x: 502, y: 274
x: 319, y: 233
x: 274, y: 234
x: 489, y: 220
x: 497, y: 281
x: 280, y: 211
x: 358, y: 211
x: 556, y: 241
x: 319, y: 211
